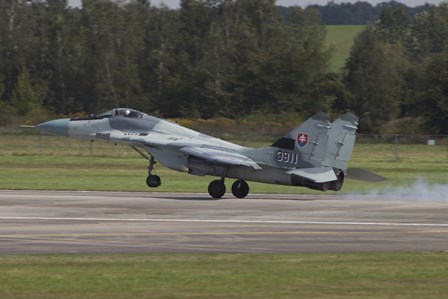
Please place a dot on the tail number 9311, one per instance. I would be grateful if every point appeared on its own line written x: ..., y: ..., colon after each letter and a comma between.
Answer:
x: 287, y: 157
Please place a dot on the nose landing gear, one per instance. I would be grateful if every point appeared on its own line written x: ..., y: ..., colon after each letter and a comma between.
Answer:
x: 152, y: 181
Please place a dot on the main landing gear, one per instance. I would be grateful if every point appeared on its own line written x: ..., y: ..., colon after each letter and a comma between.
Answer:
x: 217, y: 188
x: 240, y: 189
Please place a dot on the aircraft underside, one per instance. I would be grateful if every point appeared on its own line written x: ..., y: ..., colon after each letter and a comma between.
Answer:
x: 313, y: 155
x: 240, y: 188
x: 216, y: 188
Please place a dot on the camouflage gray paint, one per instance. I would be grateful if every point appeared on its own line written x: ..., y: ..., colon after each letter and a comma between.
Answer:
x: 313, y: 155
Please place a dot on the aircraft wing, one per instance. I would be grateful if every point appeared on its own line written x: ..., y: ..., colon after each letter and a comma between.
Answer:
x: 197, y: 150
x: 216, y: 156
x: 316, y: 174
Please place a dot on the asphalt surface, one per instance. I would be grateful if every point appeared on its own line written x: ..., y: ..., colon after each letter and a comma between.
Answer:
x: 121, y: 222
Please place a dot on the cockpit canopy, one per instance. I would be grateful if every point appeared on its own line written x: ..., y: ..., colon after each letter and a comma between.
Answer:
x: 122, y: 112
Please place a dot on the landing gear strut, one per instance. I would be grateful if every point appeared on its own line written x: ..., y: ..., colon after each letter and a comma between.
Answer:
x: 152, y: 181
x: 217, y: 188
x: 240, y: 189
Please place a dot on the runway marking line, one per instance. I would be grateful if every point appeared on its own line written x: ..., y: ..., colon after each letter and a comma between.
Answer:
x: 242, y: 221
x: 168, y: 234
x: 161, y: 234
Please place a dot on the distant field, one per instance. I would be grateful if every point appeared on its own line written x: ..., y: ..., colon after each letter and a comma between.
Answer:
x: 341, y: 38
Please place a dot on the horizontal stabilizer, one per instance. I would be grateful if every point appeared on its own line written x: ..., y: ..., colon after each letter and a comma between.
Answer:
x: 26, y: 126
x: 361, y: 174
x: 317, y: 174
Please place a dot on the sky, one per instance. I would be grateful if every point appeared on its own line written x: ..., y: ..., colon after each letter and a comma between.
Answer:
x: 175, y: 3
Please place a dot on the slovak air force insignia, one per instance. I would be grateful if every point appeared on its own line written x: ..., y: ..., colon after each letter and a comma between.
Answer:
x: 302, y: 139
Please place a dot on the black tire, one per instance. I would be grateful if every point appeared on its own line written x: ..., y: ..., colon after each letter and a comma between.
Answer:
x: 153, y: 181
x: 240, y: 189
x: 216, y: 189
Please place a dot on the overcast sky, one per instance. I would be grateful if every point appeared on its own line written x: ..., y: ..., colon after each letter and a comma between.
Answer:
x: 175, y: 3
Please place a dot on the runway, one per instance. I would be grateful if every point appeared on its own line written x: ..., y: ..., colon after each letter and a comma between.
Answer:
x: 121, y: 222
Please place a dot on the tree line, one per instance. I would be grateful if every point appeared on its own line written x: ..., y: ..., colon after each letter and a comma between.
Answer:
x: 398, y: 71
x: 358, y: 13
x: 213, y: 58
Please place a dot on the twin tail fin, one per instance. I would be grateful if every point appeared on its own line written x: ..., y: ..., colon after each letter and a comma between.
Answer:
x: 321, y: 142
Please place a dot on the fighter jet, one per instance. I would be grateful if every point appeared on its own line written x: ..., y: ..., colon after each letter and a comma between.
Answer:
x: 313, y: 155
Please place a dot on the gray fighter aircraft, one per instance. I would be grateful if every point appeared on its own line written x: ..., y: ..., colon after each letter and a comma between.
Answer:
x: 313, y: 155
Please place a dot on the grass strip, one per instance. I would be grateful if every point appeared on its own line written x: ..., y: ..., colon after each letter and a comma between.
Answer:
x: 65, y: 164
x: 291, y: 275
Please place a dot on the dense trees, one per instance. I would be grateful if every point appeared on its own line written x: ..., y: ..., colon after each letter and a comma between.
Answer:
x: 208, y: 58
x: 398, y: 68
x: 359, y: 12
x: 219, y: 58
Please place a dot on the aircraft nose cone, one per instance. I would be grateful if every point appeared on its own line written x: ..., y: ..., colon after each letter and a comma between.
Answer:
x: 56, y: 127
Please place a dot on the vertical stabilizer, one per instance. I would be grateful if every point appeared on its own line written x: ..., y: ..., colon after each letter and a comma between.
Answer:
x: 341, y: 140
x: 309, y: 139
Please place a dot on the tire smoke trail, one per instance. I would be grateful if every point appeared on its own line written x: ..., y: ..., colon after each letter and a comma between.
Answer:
x: 420, y: 190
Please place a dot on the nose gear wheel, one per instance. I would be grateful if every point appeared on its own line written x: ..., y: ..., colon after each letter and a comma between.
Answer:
x: 152, y: 180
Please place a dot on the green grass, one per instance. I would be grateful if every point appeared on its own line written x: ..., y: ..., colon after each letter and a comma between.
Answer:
x: 65, y: 164
x: 341, y: 37
x: 347, y: 275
